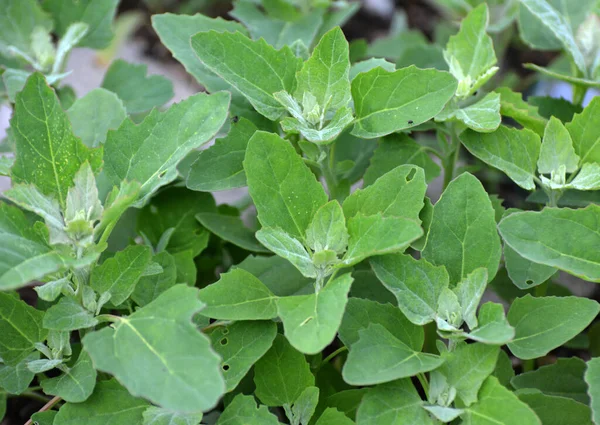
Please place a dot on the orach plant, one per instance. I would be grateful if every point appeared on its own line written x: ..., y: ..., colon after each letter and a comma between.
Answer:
x: 311, y: 301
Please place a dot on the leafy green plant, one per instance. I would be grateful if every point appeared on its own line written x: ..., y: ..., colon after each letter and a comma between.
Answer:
x: 337, y: 292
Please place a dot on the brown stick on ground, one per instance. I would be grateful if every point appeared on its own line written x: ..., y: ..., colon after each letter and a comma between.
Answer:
x: 46, y: 406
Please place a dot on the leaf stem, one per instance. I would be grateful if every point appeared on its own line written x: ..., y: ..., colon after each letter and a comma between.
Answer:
x: 326, y: 166
x: 45, y: 407
x: 32, y: 395
x: 450, y: 161
x: 332, y: 355
x: 424, y: 383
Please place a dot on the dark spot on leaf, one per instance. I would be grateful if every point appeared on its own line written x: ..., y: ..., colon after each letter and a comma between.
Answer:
x: 529, y: 282
x: 410, y: 121
x: 162, y: 174
x: 411, y: 174
x: 235, y: 119
x: 224, y: 341
x: 225, y: 367
x: 475, y: 93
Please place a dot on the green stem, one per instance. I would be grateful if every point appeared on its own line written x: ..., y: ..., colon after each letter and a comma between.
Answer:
x: 34, y: 396
x: 334, y: 354
x: 450, y: 162
x: 46, y: 406
x: 528, y: 365
x: 326, y: 166
x: 423, y: 380
x: 541, y: 290
x: 579, y: 93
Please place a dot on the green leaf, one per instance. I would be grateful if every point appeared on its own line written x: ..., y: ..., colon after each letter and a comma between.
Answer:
x: 493, y: 328
x: 557, y: 410
x: 378, y: 356
x: 319, y: 136
x: 513, y: 106
x: 94, y: 114
x: 304, y: 407
x: 311, y: 321
x: 444, y: 414
x: 539, y: 236
x: 149, y: 288
x: 76, y: 385
x: 386, y: 102
x: 557, y: 149
x: 545, y: 323
x: 285, y: 191
x: 119, y: 275
x: 289, y: 248
x: 592, y: 377
x: 159, y: 416
x: 220, y: 166
x: 16, y: 379
x: 467, y: 367
x: 585, y: 131
x: 43, y: 134
x: 588, y: 178
x: 97, y: 15
x: 231, y: 229
x: 515, y: 152
x: 360, y: 313
x: 369, y: 64
x: 469, y: 292
x: 462, y: 236
x: 110, y: 403
x: 498, y: 405
x: 240, y: 345
x: 20, y: 327
x: 394, y: 403
x: 44, y: 418
x: 398, y: 149
x: 68, y: 315
x: 482, y: 116
x: 18, y: 20
x: 243, y: 411
x: 159, y: 337
x: 327, y: 230
x: 282, y: 374
x: 170, y: 135
x: 228, y: 55
x: 6, y: 164
x: 417, y: 284
x: 277, y: 274
x: 175, y: 32
x: 238, y: 295
x: 332, y: 416
x: 138, y: 92
x: 561, y: 379
x: 555, y: 107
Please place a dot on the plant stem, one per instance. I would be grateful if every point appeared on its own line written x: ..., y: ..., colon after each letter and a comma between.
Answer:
x: 326, y: 166
x: 528, y: 365
x: 540, y: 290
x: 423, y: 380
x: 450, y: 162
x: 579, y: 93
x: 32, y: 395
x: 46, y: 406
x: 334, y: 354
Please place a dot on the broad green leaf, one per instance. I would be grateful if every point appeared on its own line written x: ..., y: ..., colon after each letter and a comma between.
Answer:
x: 360, y: 313
x: 513, y: 106
x: 346, y: 401
x: 94, y: 114
x: 557, y: 410
x: 325, y: 73
x: 76, y: 385
x: 561, y: 379
x: 311, y: 321
x: 555, y: 107
x: 43, y: 365
x: 175, y: 32
x: 467, y: 367
x: 240, y: 345
x: 557, y: 149
x: 588, y: 178
x: 493, y: 327
x: 118, y: 275
x: 469, y: 292
x: 231, y: 229
x: 282, y: 374
x: 463, y: 236
x: 289, y: 248
x: 220, y: 166
x: 515, y: 152
x: 585, y: 131
x: 286, y: 193
x: 238, y: 295
x: 545, y: 323
x: 20, y: 327
x: 228, y: 55
x: 540, y: 236
x: 369, y: 64
x: 304, y: 407
x: 332, y: 416
x: 323, y: 134
x: 356, y: 152
x: 444, y: 414
x: 150, y: 287
x: 378, y: 356
x: 110, y: 403
x: 278, y: 274
x: 139, y: 92
x: 426, y: 215
x: 482, y: 116
x: 395, y: 403
x: 18, y: 20
x: 68, y: 315
x: 6, y: 164
x: 44, y: 418
x: 243, y: 411
x: 499, y: 406
x: 159, y: 337
x: 43, y: 134
x: 449, y: 311
x: 504, y: 369
x: 97, y: 15
x: 397, y: 149
x: 83, y: 203
x: 159, y: 416
x: 417, y: 284
x: 327, y: 230
x: 16, y: 379
x: 386, y: 102
x: 592, y: 377
x: 169, y: 135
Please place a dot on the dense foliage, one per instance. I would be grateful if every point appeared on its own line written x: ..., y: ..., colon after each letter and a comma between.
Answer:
x: 311, y: 301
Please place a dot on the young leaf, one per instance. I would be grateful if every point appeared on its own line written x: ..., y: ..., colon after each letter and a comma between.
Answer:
x: 463, y: 236
x: 169, y: 136
x: 228, y: 55
x: 539, y: 236
x: 482, y: 116
x: 240, y: 345
x: 512, y: 151
x: 386, y: 102
x: 159, y: 337
x: 158, y: 416
x: 369, y: 64
x: 592, y: 377
x: 277, y: 274
x: 282, y: 374
x: 16, y: 379
x: 545, y: 323
x: 18, y: 20
x: 557, y: 410
x: 149, y: 288
x: 332, y: 416
x: 378, y: 356
x: 327, y: 230
x: 492, y: 328
x: 243, y: 411
x: 588, y: 178
x: 513, y: 106
x: 231, y: 229
x: 417, y: 284
x: 289, y: 248
x: 469, y: 292
x: 110, y: 403
x: 42, y: 131
x: 304, y: 407
x: 238, y: 295
x: 285, y: 191
x: 585, y: 131
x: 94, y: 114
x: 20, y: 327
x: 68, y: 315
x: 311, y: 321
x: 138, y: 92
x: 557, y: 149
x: 82, y: 197
x: 76, y: 385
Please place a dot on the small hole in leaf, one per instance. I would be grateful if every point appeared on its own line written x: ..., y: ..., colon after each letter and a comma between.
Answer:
x: 224, y: 341
x: 475, y: 93
x: 411, y: 122
x: 529, y: 282
x: 225, y: 331
x: 162, y: 174
x: 411, y: 174
x: 235, y: 119
x: 225, y: 367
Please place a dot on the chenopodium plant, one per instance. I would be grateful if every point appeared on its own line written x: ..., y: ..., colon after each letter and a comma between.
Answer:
x: 340, y: 325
